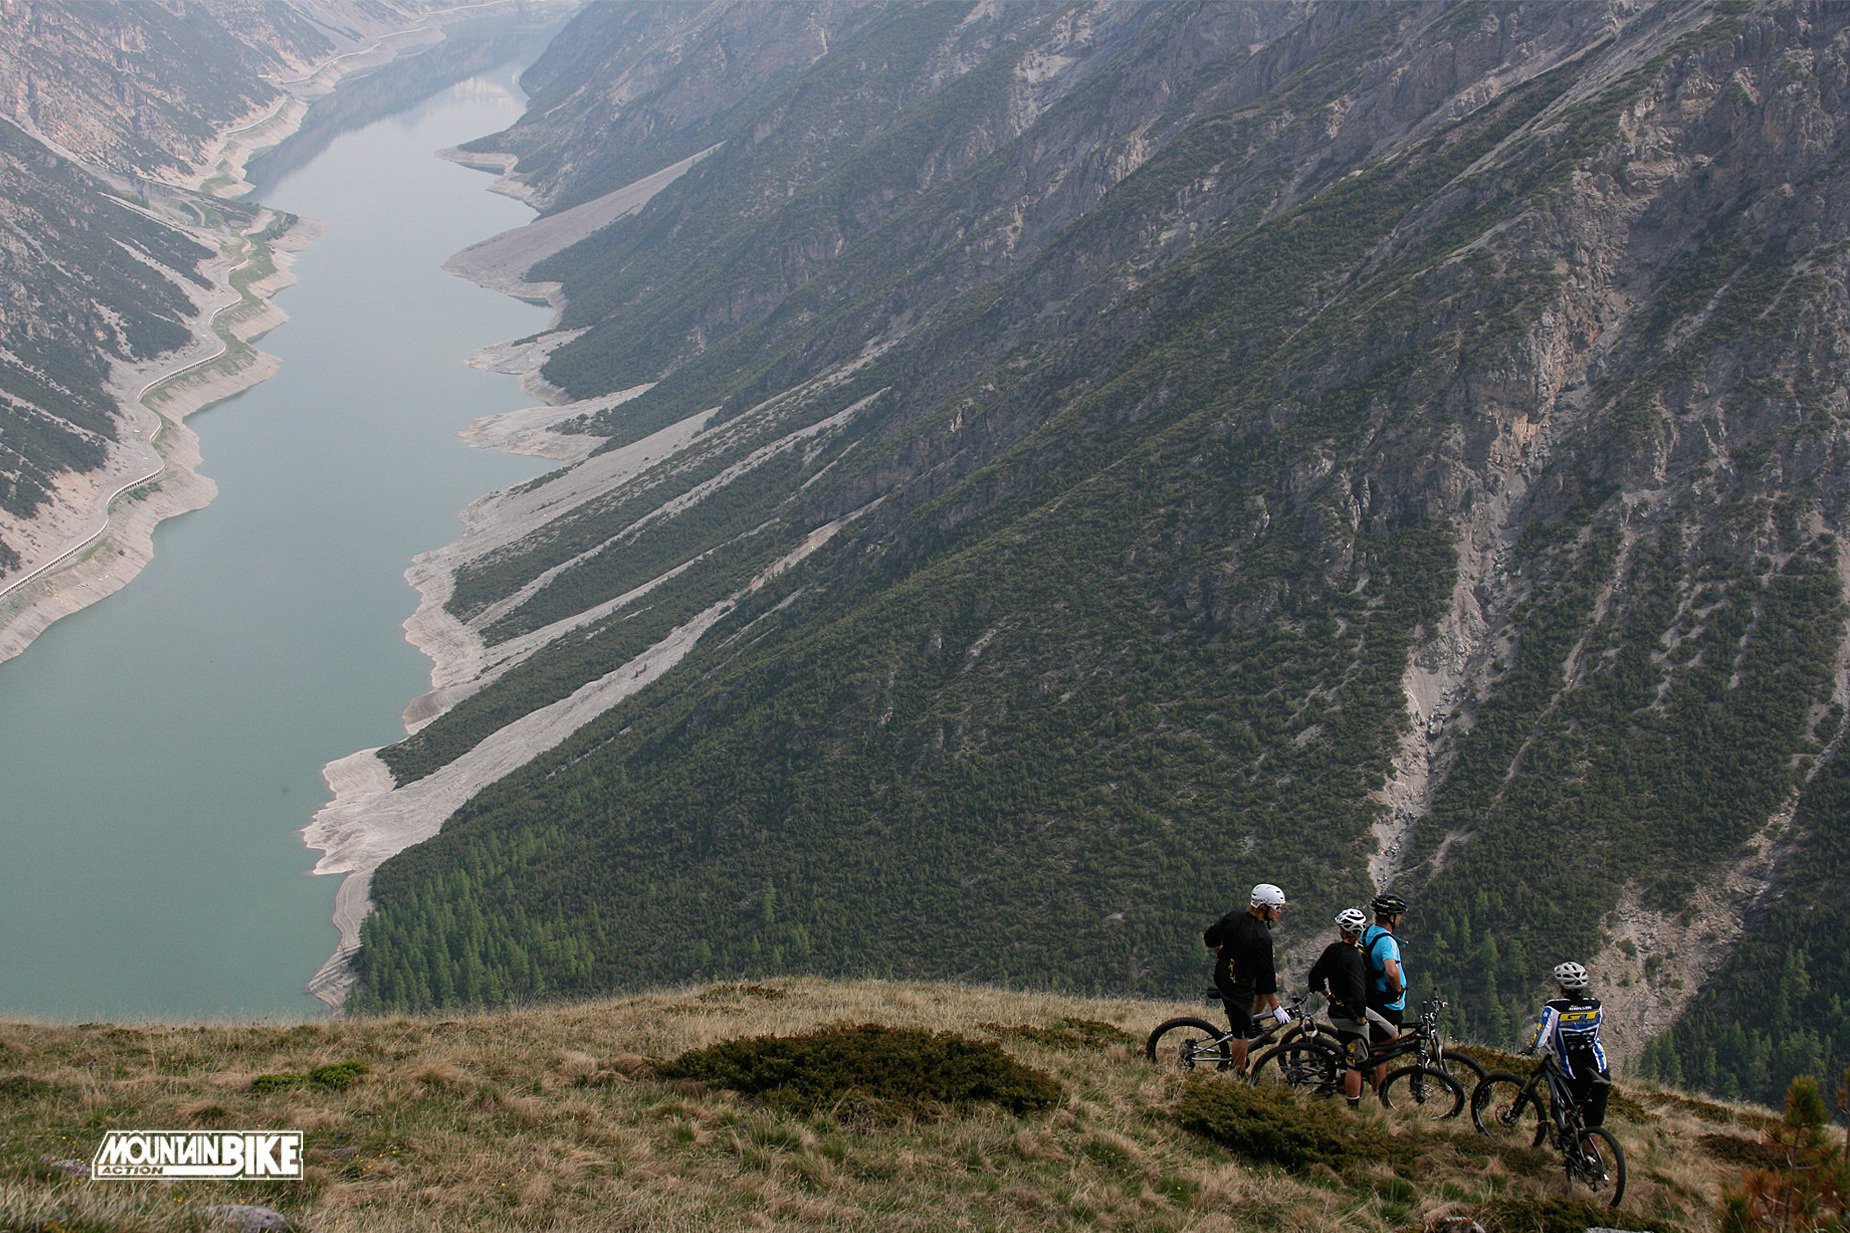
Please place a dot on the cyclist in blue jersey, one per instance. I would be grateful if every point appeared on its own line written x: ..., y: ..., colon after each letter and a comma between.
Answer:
x: 1387, y: 980
x: 1569, y: 1028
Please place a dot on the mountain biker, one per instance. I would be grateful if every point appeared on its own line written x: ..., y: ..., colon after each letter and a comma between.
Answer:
x: 1243, y: 968
x: 1341, y: 974
x: 1387, y: 983
x: 1569, y: 1026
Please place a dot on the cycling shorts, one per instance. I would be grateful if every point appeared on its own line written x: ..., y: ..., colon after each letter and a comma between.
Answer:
x: 1353, y: 1036
x: 1238, y: 1000
x: 1379, y: 1034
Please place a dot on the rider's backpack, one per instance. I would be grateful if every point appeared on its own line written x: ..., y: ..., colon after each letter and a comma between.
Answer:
x: 1377, y: 964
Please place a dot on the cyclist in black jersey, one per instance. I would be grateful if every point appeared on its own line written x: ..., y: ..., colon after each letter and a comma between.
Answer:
x: 1341, y: 974
x: 1243, y: 968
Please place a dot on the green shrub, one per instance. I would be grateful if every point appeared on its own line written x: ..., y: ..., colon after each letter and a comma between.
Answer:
x: 1064, y: 1033
x: 1528, y: 1214
x: 24, y: 1087
x: 1276, y: 1126
x: 332, y: 1077
x: 1742, y: 1152
x: 882, y: 1070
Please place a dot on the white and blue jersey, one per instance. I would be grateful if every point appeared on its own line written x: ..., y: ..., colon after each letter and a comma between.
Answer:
x: 1570, y: 1027
x: 1380, y: 946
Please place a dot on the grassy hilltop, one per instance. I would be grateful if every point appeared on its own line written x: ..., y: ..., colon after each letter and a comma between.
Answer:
x: 572, y: 1117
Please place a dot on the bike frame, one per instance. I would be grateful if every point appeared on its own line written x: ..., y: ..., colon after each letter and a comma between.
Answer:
x: 1209, y: 1048
x: 1564, y: 1128
x: 1563, y: 1109
x: 1422, y: 1038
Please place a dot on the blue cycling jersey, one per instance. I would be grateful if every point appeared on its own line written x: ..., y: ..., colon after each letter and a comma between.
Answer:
x: 1380, y: 946
x: 1570, y: 1027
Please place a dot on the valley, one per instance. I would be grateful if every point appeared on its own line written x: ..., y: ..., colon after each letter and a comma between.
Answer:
x: 989, y: 483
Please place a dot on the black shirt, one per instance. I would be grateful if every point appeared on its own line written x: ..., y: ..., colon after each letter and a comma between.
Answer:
x: 1342, y: 972
x: 1245, y: 960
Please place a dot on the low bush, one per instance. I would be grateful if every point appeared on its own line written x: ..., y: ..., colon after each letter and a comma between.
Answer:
x: 24, y: 1087
x: 1064, y: 1033
x: 332, y: 1077
x: 1530, y: 1214
x: 1277, y: 1127
x: 885, y: 1071
x: 1746, y: 1153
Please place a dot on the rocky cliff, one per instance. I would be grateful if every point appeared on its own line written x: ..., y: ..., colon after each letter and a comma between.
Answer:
x: 1066, y: 463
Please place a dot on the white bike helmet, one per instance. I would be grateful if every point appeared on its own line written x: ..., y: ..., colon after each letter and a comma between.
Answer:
x: 1570, y: 976
x: 1265, y: 895
x: 1352, y: 920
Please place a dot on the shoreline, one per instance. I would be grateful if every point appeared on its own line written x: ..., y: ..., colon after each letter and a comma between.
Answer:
x: 153, y: 473
x: 160, y: 456
x: 370, y: 818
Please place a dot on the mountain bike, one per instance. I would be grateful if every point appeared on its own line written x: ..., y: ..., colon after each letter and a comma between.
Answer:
x: 1510, y: 1108
x: 1316, y: 1062
x: 1468, y: 1073
x: 1189, y: 1043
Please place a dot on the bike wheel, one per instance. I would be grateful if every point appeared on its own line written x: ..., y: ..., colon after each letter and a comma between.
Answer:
x: 1601, y: 1167
x: 1503, y: 1108
x: 1264, y: 1062
x: 1188, y: 1044
x: 1468, y: 1073
x: 1305, y: 1064
x: 1423, y: 1092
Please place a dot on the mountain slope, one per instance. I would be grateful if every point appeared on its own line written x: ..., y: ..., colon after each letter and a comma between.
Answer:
x: 1157, y: 448
x: 76, y: 262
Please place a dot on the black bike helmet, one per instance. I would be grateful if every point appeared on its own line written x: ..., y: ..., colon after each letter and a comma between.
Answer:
x: 1389, y: 905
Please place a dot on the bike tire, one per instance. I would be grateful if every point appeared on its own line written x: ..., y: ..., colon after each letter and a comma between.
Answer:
x: 1266, y: 1059
x: 1468, y: 1073
x: 1502, y: 1106
x: 1188, y: 1044
x: 1600, y: 1147
x: 1424, y: 1091
x: 1306, y: 1064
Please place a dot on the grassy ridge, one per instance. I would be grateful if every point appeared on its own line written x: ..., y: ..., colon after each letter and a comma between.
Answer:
x: 563, y: 1118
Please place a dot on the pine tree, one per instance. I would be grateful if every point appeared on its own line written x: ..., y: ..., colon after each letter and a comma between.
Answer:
x: 1806, y: 1193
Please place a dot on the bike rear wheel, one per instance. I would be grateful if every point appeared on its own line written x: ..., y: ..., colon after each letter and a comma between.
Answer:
x: 1505, y: 1109
x: 1306, y: 1064
x: 1601, y: 1167
x: 1188, y: 1044
x: 1423, y: 1092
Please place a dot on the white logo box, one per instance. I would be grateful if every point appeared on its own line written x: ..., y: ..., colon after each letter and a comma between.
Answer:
x: 199, y: 1155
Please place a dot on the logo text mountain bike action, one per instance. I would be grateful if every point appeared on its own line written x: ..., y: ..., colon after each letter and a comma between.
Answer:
x: 181, y: 1155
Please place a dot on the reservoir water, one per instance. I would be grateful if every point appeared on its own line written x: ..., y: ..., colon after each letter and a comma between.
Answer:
x: 160, y: 750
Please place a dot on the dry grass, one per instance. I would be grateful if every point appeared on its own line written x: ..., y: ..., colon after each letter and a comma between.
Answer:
x: 554, y: 1119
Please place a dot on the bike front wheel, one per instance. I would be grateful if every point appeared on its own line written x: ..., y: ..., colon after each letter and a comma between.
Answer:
x: 1503, y: 1108
x: 1601, y: 1167
x: 1188, y: 1044
x: 1424, y: 1093
x: 1305, y: 1064
x: 1468, y: 1073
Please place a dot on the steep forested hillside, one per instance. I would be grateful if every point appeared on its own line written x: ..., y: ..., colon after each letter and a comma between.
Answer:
x: 76, y: 263
x: 1157, y: 447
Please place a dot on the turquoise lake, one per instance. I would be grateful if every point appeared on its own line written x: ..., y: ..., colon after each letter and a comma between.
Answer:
x: 161, y: 750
